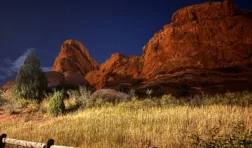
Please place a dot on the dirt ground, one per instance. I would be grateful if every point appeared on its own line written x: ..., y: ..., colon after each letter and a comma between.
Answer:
x: 5, y: 117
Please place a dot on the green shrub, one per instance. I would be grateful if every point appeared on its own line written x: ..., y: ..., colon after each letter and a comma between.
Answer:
x: 168, y: 100
x: 82, y: 97
x: 30, y: 82
x: 85, y: 99
x: 56, y: 105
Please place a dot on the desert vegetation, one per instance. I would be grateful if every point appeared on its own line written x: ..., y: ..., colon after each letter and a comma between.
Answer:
x: 30, y: 82
x: 110, y: 118
x: 210, y: 121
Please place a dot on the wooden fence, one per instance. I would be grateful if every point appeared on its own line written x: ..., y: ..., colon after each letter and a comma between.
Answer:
x: 49, y: 143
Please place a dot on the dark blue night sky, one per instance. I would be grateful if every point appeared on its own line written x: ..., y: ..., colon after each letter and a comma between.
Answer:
x: 103, y: 26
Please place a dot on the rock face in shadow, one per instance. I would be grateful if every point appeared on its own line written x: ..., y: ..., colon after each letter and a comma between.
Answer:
x: 73, y: 80
x: 193, y: 81
x: 74, y: 57
x: 55, y: 79
x: 206, y: 48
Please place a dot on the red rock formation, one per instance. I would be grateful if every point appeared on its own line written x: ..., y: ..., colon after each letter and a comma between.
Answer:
x: 117, y: 69
x: 209, y: 36
x: 207, y: 47
x: 74, y: 57
x: 55, y: 79
x: 74, y: 80
x: 93, y: 77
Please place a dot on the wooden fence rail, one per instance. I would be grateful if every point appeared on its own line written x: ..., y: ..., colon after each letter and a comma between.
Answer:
x: 49, y: 143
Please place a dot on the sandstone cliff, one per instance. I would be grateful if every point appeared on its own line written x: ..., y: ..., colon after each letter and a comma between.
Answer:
x: 212, y: 35
x: 74, y: 57
x: 116, y: 70
x: 206, y: 47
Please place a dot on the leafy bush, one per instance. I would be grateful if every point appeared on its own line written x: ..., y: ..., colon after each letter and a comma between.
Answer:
x: 169, y: 100
x: 30, y: 82
x: 56, y: 105
x: 82, y: 97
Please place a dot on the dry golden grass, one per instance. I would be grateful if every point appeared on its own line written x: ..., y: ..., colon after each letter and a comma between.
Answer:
x: 120, y: 126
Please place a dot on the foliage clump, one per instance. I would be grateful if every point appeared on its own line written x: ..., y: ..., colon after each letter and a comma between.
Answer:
x: 82, y: 97
x: 56, y: 105
x: 30, y: 82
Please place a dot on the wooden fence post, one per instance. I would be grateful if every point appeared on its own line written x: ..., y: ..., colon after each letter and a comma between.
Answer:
x: 1, y: 140
x: 49, y: 143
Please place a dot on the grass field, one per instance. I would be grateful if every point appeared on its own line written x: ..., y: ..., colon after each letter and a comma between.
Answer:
x: 123, y: 127
x: 211, y: 121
